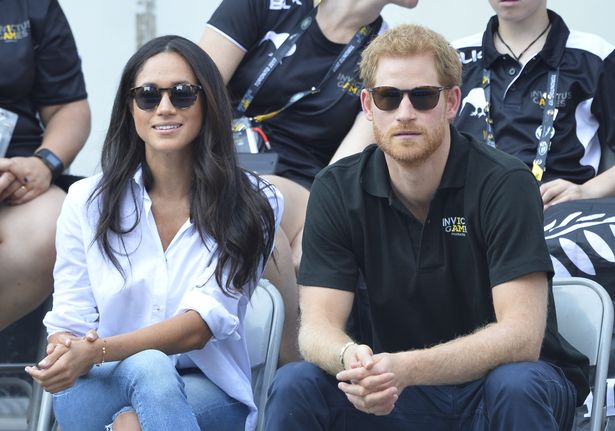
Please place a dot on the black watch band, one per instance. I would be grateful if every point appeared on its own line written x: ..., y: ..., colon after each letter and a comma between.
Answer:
x: 53, y: 162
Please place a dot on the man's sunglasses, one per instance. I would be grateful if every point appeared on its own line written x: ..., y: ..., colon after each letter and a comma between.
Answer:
x: 422, y: 98
x: 182, y: 96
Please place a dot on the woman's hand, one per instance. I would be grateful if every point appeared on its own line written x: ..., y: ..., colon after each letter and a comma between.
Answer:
x: 68, y: 358
x: 23, y: 179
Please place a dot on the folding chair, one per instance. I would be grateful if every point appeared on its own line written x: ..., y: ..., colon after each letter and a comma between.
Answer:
x: 263, y: 331
x: 24, y: 410
x: 585, y: 319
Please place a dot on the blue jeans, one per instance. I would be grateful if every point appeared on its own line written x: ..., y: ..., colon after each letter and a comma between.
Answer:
x: 519, y: 396
x: 148, y: 384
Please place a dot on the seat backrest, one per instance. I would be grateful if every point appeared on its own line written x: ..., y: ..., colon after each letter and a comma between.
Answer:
x: 585, y: 319
x: 263, y: 329
x: 580, y: 314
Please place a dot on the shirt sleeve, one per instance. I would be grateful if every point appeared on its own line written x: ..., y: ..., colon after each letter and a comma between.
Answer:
x: 74, y: 307
x: 328, y: 259
x: 512, y: 217
x: 59, y: 78
x: 242, y: 21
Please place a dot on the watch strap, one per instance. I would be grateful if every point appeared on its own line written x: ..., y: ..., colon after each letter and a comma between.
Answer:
x: 53, y: 162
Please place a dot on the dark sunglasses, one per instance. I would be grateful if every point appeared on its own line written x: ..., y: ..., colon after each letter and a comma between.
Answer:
x: 422, y: 98
x: 182, y: 96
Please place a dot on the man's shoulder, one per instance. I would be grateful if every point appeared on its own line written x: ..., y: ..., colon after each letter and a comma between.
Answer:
x: 489, y: 160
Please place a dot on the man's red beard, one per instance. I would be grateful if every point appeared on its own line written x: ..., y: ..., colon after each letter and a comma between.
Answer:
x: 410, y: 151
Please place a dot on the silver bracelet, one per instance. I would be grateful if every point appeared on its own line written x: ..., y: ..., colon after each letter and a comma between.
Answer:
x: 346, y: 346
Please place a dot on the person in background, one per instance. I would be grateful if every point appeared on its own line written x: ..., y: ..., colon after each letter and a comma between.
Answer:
x: 157, y: 257
x: 536, y: 90
x: 448, y: 234
x: 325, y: 124
x: 44, y: 122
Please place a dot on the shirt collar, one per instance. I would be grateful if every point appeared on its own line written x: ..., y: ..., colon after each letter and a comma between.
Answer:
x: 139, y: 189
x: 551, y: 53
x: 375, y: 175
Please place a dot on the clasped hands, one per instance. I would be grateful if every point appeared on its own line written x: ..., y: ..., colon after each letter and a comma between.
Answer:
x: 22, y: 179
x: 68, y: 358
x: 372, y: 383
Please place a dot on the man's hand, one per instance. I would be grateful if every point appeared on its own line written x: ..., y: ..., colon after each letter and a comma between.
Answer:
x: 373, y: 385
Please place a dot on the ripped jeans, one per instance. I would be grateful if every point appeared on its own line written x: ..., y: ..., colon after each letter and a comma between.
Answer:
x: 148, y: 384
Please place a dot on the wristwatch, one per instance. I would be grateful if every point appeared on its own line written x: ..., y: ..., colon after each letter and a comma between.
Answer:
x: 53, y: 162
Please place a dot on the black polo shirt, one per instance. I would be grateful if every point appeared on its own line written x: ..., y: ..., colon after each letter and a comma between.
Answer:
x: 430, y: 283
x: 39, y: 66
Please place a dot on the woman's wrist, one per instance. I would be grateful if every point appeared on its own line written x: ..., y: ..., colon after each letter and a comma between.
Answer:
x: 98, y: 351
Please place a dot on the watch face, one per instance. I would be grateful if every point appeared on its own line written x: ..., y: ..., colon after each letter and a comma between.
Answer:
x: 53, y: 162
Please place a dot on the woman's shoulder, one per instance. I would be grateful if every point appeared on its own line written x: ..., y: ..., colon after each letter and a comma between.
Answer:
x: 82, y: 189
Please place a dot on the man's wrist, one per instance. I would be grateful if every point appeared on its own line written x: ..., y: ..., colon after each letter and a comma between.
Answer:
x: 52, y: 161
x: 343, y: 352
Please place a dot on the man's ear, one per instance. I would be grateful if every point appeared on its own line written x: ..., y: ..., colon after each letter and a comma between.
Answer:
x: 453, y: 100
x: 366, y: 104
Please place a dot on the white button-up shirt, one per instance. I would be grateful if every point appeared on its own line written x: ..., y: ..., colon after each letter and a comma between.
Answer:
x: 90, y: 293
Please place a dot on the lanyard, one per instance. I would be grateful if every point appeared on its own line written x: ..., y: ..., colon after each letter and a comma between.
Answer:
x: 357, y: 41
x: 547, y: 101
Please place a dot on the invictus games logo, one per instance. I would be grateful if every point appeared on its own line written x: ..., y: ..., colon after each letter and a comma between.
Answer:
x: 14, y: 32
x: 349, y: 84
x: 455, y: 226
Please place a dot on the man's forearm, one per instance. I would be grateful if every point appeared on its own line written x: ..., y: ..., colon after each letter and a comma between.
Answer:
x: 468, y: 358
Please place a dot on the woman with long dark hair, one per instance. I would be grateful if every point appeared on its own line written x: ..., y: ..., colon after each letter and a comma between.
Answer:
x: 158, y: 255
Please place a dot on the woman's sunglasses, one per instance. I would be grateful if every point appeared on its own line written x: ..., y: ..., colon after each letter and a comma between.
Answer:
x: 182, y: 96
x: 422, y: 98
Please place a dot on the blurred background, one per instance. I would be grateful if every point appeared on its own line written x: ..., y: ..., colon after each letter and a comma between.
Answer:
x: 108, y: 32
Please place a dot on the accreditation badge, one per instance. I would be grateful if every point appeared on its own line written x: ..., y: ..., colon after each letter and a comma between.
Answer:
x: 8, y: 120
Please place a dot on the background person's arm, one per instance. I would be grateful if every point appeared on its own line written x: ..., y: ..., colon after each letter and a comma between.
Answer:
x: 557, y: 191
x: 358, y: 137
x: 222, y: 51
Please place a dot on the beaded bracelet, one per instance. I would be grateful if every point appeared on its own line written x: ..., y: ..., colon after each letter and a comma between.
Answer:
x: 104, y: 351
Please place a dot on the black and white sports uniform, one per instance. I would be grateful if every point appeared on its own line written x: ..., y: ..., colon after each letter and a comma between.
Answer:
x: 307, y: 134
x: 585, y: 107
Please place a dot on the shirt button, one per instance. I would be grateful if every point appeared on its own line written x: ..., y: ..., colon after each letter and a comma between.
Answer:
x: 512, y: 71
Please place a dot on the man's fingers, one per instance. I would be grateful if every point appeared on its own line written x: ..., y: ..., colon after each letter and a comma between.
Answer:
x: 378, y: 382
x: 353, y: 374
x: 379, y: 403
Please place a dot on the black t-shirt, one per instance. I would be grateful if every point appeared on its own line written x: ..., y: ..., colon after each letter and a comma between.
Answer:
x: 585, y: 109
x: 307, y: 134
x: 431, y: 283
x: 39, y: 66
